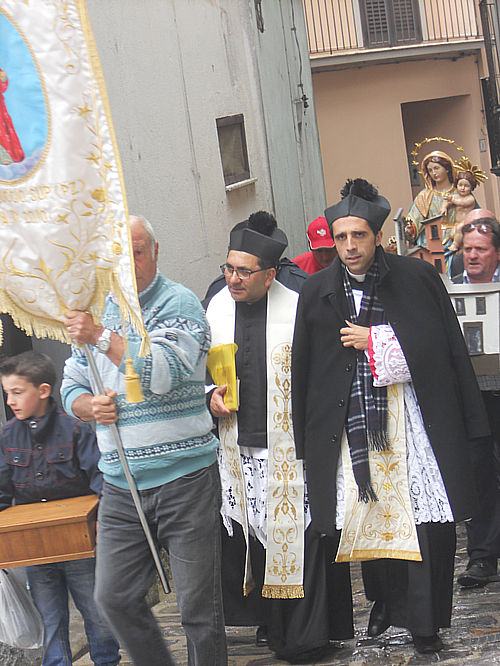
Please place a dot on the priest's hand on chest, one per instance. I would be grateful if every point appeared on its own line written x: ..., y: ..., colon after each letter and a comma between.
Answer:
x: 355, y: 336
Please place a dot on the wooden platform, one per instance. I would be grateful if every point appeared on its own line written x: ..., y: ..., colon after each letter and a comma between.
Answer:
x: 45, y: 532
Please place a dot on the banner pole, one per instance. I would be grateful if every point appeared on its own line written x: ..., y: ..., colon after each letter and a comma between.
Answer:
x: 129, y: 477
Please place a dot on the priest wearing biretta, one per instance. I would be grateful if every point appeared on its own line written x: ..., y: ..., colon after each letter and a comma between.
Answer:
x: 385, y: 406
x: 275, y: 567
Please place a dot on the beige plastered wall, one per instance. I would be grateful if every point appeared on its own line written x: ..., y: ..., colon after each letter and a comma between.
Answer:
x: 171, y: 69
x: 360, y: 120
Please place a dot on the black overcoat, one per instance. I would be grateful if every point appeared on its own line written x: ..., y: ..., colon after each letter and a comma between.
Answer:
x: 419, y: 310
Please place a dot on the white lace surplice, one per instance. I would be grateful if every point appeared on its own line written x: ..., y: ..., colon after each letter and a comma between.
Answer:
x: 427, y: 492
x: 255, y: 469
x: 255, y: 472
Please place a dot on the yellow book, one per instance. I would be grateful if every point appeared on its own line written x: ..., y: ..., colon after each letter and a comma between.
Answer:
x: 222, y: 368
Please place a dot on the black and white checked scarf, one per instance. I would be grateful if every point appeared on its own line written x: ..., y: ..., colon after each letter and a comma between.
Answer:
x: 367, y: 410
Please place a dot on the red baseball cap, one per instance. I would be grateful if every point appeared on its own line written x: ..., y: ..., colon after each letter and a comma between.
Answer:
x: 318, y: 233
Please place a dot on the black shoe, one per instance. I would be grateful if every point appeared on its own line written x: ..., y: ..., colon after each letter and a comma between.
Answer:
x: 427, y: 644
x: 478, y: 574
x: 379, y: 620
x: 261, y: 636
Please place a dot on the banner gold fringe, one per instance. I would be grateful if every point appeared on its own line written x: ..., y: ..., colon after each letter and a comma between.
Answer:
x: 283, y: 591
x: 41, y: 327
x: 99, y: 77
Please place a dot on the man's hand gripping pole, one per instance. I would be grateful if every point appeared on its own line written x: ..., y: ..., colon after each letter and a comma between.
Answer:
x: 129, y: 477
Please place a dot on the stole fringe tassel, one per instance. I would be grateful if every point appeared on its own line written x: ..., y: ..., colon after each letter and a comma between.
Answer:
x: 366, y: 493
x: 283, y: 591
x: 378, y: 441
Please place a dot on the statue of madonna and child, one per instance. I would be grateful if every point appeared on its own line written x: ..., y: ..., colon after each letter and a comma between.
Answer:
x: 447, y: 193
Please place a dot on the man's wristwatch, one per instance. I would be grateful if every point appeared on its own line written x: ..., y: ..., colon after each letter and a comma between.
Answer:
x: 104, y: 342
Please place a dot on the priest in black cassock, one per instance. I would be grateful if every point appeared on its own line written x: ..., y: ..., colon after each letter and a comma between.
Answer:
x: 277, y: 571
x: 385, y: 407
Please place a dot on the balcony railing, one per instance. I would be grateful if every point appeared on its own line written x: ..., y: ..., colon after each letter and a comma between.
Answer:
x: 348, y: 25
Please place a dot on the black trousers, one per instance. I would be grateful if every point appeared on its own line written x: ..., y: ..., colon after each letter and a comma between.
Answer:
x: 418, y: 594
x: 294, y: 625
x: 483, y: 531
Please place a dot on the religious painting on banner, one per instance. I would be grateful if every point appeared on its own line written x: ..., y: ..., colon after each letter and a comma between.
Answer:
x: 64, y: 236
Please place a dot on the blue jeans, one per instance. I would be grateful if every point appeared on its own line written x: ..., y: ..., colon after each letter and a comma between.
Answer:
x: 184, y: 517
x: 49, y: 585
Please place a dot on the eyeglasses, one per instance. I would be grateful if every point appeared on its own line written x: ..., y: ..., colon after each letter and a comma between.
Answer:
x: 482, y: 227
x: 242, y: 273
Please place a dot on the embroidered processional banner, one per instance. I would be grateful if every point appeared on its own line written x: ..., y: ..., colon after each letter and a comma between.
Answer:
x: 64, y: 240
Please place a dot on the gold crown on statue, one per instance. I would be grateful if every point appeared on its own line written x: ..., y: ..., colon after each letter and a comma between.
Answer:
x: 464, y: 164
x: 438, y: 139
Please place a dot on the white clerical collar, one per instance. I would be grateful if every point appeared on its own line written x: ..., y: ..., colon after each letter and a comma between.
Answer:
x: 358, y: 278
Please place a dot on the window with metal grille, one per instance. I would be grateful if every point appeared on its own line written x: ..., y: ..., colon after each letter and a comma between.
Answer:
x: 390, y: 22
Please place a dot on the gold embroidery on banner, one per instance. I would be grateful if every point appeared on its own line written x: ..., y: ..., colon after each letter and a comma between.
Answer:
x: 90, y: 214
x: 65, y: 31
x: 85, y: 213
x: 121, y: 224
x: 44, y: 327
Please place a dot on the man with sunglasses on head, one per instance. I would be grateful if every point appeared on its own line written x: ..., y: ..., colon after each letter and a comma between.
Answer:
x: 481, y: 256
x: 481, y: 248
x: 275, y: 572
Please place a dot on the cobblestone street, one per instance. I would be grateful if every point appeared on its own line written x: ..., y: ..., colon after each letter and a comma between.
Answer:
x: 474, y: 637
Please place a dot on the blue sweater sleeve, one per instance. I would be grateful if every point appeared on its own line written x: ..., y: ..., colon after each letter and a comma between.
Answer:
x: 178, y: 342
x: 75, y: 380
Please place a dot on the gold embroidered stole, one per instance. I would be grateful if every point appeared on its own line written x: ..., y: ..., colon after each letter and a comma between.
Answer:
x: 285, y: 483
x: 383, y: 529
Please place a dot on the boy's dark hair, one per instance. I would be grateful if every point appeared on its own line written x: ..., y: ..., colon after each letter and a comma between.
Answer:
x: 37, y: 368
